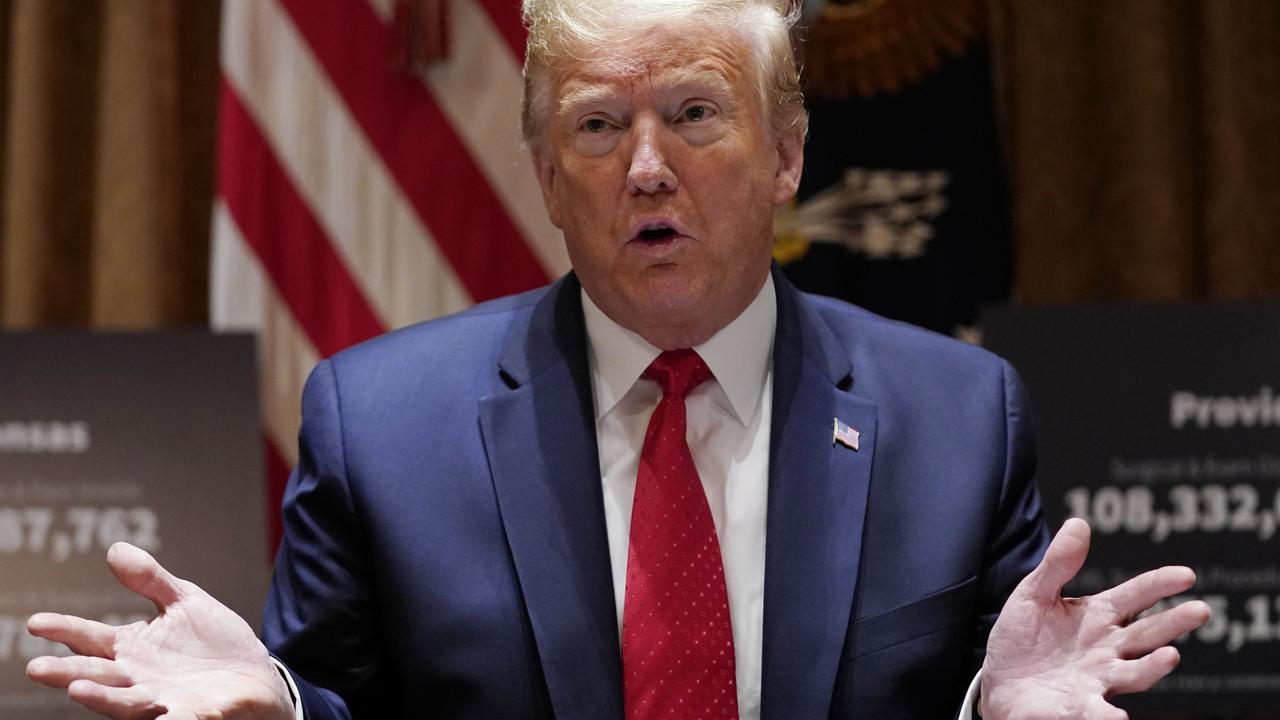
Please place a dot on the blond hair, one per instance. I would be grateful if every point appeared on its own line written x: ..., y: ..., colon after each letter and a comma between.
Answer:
x: 565, y: 29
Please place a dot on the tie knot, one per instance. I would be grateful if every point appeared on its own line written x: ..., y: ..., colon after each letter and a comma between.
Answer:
x: 678, y: 372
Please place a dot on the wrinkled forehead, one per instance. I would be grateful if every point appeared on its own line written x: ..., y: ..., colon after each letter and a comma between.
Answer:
x: 669, y: 57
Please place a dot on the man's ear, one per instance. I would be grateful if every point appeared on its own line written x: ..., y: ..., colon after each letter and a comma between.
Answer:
x: 790, y: 164
x: 546, y: 172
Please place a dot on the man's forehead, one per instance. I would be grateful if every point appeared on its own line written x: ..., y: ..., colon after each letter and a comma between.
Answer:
x: 679, y: 53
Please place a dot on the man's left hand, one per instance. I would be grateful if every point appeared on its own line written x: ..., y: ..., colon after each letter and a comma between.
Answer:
x: 1052, y: 657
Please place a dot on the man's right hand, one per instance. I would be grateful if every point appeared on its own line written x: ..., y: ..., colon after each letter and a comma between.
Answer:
x: 196, y: 660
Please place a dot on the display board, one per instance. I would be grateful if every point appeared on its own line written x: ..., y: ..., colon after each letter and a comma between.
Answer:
x: 1161, y: 427
x: 149, y: 438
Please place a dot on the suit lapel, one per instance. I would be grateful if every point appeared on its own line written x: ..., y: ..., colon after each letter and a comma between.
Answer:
x: 540, y: 439
x: 817, y: 502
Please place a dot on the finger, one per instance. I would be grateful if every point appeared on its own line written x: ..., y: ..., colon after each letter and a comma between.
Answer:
x: 118, y: 703
x: 139, y: 572
x: 1061, y: 562
x: 59, y: 672
x: 1164, y: 627
x: 1098, y: 709
x: 1134, y: 595
x: 83, y: 637
x: 1139, y: 675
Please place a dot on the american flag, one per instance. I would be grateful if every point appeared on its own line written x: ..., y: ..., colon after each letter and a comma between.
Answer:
x: 844, y: 434
x: 358, y: 192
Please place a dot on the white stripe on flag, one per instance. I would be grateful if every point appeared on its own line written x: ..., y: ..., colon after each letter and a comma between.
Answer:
x: 237, y: 285
x: 384, y: 9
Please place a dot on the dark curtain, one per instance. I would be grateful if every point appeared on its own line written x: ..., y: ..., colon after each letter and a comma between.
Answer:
x: 1143, y: 140
x: 109, y: 112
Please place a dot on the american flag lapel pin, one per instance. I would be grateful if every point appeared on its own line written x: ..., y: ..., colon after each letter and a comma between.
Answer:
x: 844, y: 434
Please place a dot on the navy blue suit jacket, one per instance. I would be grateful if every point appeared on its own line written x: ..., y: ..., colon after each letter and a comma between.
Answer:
x: 445, y: 551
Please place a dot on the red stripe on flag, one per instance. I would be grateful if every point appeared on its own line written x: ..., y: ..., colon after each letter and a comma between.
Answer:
x: 294, y: 250
x: 505, y: 15
x: 419, y: 147
x: 277, y: 476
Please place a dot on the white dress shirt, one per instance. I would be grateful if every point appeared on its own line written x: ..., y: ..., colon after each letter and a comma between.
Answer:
x: 728, y: 434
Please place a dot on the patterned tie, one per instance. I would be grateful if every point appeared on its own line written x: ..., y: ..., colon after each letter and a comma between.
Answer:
x: 677, y: 643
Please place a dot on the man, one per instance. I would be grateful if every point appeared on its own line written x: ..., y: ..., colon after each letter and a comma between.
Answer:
x: 667, y: 486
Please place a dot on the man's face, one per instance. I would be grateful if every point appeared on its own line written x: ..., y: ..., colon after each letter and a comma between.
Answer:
x: 660, y: 171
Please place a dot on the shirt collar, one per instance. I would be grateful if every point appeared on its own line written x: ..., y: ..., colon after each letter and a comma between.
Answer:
x: 738, y: 355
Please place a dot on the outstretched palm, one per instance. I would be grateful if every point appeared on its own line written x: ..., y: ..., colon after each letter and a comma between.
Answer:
x: 197, y: 659
x: 1051, y: 657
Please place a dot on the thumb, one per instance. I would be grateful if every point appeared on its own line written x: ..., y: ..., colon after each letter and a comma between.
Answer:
x: 139, y: 572
x: 1063, y: 559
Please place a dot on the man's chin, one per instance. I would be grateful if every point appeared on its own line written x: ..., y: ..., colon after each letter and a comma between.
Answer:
x: 674, y: 320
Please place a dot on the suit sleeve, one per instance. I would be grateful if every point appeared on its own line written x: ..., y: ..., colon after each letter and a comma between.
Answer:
x: 321, y: 618
x: 1017, y: 536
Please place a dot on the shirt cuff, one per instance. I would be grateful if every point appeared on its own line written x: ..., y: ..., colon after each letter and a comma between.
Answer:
x: 969, y: 709
x: 293, y: 689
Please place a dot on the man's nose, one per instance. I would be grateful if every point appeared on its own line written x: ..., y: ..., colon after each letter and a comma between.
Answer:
x: 649, y: 172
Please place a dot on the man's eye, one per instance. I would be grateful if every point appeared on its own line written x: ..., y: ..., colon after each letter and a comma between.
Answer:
x: 595, y: 125
x: 695, y: 113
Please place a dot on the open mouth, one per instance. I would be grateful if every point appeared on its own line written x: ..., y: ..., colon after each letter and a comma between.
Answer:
x: 657, y: 231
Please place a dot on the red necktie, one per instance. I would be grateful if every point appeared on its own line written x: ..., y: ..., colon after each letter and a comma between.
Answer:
x: 677, y: 643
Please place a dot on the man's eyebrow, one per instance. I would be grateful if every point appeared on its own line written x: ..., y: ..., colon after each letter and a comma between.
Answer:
x: 695, y: 77
x: 585, y: 94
